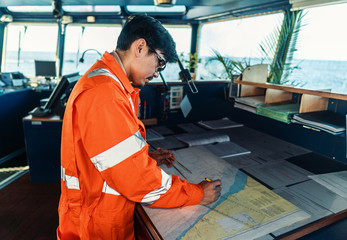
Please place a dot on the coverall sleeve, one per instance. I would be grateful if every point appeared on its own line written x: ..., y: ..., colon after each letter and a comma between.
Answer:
x: 111, y: 137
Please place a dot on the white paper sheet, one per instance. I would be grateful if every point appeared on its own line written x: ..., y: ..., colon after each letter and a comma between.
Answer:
x: 223, y: 123
x: 335, y: 181
x: 195, y: 139
x: 227, y: 149
x: 242, y: 161
x: 321, y: 195
x: 185, y: 105
x: 278, y: 174
x: 316, y: 211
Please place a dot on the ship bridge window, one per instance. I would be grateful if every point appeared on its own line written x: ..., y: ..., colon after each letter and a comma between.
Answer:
x: 154, y: 9
x: 92, y: 40
x: 236, y: 39
x: 31, y: 9
x: 24, y: 44
x: 92, y: 8
x: 181, y: 34
x: 321, y: 53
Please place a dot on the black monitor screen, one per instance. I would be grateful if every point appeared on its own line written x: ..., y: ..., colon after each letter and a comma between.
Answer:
x: 45, y: 68
x: 58, y: 99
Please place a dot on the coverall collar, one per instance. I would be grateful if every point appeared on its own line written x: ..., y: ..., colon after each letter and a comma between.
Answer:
x: 117, y: 70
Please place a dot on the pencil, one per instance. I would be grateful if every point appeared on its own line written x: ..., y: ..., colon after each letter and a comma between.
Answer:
x: 174, y: 160
x: 180, y: 164
x: 170, y: 160
x: 179, y: 171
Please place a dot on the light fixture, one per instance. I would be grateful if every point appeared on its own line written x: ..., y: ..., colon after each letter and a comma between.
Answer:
x: 90, y: 19
x: 164, y: 3
x: 66, y: 19
x: 186, y: 77
x: 6, y: 18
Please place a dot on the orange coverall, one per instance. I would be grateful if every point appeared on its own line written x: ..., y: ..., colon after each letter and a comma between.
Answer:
x: 105, y: 166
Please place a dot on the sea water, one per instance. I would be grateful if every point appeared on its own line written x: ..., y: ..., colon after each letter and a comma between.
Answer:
x: 311, y: 74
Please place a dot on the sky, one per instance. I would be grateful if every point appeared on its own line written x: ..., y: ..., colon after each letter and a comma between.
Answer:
x: 325, y: 33
x: 323, y: 36
x: 238, y: 38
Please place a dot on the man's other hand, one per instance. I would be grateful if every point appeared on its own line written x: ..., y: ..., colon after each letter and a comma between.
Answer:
x: 163, y: 156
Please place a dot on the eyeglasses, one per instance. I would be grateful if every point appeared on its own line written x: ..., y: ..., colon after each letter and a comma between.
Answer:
x: 161, y: 61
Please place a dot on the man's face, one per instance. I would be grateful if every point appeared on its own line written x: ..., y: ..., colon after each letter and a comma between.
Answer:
x: 146, y: 67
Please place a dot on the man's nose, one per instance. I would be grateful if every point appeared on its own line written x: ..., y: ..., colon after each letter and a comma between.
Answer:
x: 156, y: 74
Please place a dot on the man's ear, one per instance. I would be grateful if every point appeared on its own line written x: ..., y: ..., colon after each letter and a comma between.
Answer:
x: 139, y: 46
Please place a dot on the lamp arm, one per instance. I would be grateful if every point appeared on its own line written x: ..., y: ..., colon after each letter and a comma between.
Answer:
x: 90, y: 49
x: 165, y: 84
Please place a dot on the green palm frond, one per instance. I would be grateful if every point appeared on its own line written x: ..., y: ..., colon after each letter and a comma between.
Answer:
x: 279, y: 47
x: 231, y: 66
x: 226, y: 62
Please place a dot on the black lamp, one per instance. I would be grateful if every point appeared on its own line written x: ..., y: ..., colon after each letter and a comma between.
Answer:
x: 57, y: 6
x: 164, y: 3
x: 186, y: 77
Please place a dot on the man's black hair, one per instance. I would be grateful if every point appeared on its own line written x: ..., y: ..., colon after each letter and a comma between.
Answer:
x: 150, y: 29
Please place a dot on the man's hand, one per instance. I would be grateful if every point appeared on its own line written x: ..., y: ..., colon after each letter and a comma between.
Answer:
x: 211, y: 191
x: 163, y: 156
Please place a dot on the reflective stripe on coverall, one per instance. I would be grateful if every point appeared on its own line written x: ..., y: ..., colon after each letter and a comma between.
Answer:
x: 105, y: 166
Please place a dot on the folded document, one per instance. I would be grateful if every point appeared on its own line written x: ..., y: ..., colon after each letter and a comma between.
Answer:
x: 227, y: 149
x: 219, y: 124
x: 195, y: 139
x: 323, y: 120
x: 281, y: 113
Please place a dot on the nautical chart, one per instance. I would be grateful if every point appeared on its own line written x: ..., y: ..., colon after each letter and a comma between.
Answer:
x: 245, y: 210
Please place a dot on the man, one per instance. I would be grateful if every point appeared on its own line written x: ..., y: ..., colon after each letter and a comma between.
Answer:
x: 105, y: 164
